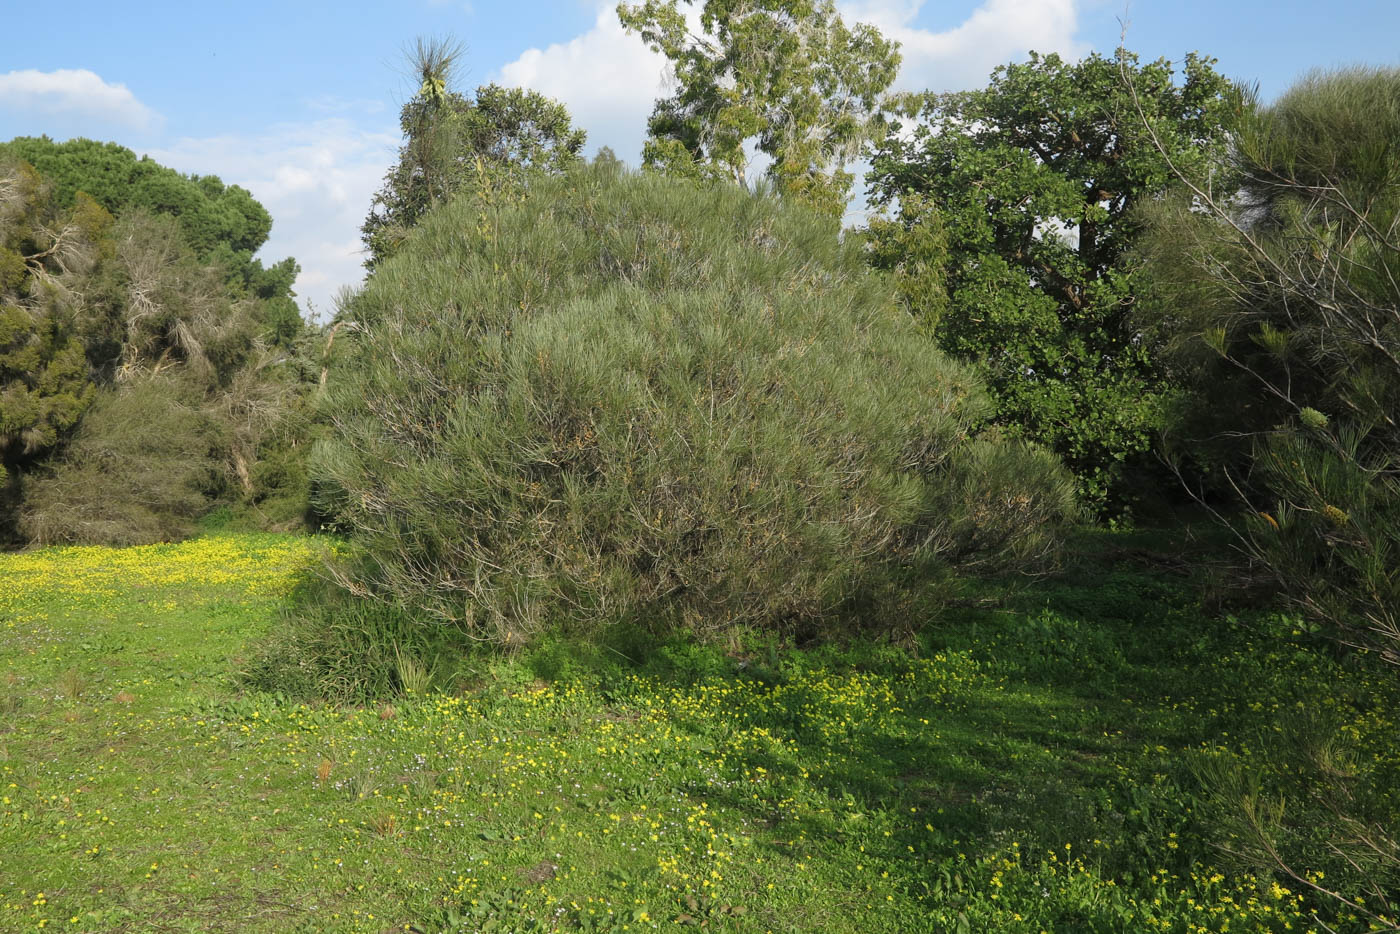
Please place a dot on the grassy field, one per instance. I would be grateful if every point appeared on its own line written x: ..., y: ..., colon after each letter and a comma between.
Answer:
x: 1030, y: 767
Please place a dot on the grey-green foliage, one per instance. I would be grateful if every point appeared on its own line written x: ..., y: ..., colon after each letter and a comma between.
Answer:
x: 619, y: 396
x: 1279, y: 288
x: 143, y: 466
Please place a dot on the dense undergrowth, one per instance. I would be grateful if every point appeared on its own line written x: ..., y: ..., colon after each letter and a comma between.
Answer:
x: 1040, y: 757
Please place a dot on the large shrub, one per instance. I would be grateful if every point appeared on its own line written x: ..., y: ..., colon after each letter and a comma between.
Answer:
x: 623, y: 395
x: 143, y: 467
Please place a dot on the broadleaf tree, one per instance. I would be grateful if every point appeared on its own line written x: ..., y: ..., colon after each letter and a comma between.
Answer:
x: 1037, y: 177
x: 786, y: 78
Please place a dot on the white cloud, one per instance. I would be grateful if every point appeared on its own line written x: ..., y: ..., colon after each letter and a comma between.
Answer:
x: 316, y: 180
x: 69, y: 93
x: 607, y: 77
x: 963, y: 57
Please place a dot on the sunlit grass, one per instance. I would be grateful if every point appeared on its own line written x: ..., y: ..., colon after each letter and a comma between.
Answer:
x: 1024, y: 772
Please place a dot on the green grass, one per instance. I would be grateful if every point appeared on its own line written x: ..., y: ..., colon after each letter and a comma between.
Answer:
x: 1028, y: 768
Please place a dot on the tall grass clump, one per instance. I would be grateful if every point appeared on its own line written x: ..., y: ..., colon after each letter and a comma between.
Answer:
x: 620, y: 396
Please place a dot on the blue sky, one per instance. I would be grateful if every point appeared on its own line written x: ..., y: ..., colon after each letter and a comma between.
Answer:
x: 298, y: 101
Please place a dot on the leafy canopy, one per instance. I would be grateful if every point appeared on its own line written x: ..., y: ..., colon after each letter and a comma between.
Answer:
x: 1036, y: 177
x: 222, y: 224
x: 787, y: 77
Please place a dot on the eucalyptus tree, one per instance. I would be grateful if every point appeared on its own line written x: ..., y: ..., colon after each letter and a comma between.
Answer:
x: 785, y: 78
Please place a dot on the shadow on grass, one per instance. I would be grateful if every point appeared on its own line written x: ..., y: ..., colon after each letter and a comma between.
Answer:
x: 1055, y: 713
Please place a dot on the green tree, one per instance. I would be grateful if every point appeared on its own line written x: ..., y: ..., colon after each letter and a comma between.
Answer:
x: 223, y: 224
x: 787, y: 77
x: 1279, y: 271
x: 44, y: 252
x: 1037, y: 177
x: 133, y: 365
x: 451, y: 141
x: 190, y: 409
